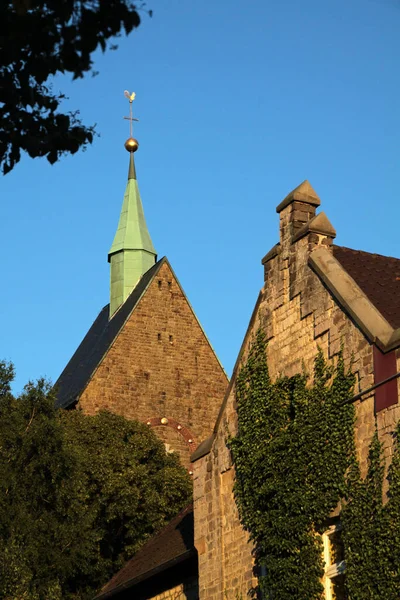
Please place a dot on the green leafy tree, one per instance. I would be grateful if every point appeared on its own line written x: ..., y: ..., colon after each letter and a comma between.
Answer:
x: 38, y: 40
x: 78, y: 494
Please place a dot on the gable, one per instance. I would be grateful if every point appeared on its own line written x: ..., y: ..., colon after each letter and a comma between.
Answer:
x: 151, y: 362
x: 316, y: 296
x: 160, y: 365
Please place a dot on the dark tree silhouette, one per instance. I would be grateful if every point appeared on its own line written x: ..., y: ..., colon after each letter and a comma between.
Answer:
x: 79, y: 494
x: 39, y: 39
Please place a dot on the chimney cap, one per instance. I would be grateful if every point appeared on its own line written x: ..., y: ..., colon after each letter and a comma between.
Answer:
x: 302, y: 193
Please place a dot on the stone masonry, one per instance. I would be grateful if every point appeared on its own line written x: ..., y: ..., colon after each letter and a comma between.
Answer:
x: 161, y: 369
x: 184, y: 591
x: 299, y: 315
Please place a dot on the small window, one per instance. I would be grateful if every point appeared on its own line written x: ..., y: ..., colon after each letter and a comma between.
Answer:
x: 335, y: 565
x: 159, y: 284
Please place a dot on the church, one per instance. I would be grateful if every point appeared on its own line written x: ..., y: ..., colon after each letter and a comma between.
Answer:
x: 146, y: 357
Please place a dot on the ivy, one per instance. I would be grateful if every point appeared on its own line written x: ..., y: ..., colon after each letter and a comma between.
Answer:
x: 294, y: 446
x: 371, y: 529
x: 295, y: 460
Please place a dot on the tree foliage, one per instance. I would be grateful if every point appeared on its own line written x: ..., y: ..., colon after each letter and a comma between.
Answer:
x: 78, y: 494
x: 291, y: 453
x: 38, y: 40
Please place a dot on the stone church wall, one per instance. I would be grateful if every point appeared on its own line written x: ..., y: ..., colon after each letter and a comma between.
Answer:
x: 161, y: 369
x: 177, y: 583
x: 299, y: 316
x: 183, y: 591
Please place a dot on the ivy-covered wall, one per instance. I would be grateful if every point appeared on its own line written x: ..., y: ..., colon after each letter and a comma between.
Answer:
x: 293, y: 447
x: 295, y: 467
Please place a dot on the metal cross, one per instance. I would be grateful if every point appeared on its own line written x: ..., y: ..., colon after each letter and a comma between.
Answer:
x: 131, y: 98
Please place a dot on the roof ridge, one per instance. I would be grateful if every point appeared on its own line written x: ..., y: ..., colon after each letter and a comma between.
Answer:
x: 170, y: 525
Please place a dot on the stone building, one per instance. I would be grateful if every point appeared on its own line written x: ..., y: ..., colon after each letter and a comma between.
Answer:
x: 146, y: 356
x: 315, y: 294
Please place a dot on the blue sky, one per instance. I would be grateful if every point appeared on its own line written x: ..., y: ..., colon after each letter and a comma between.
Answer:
x: 238, y: 103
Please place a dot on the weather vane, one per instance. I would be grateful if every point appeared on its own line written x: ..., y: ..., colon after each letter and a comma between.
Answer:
x: 131, y: 144
x: 131, y: 98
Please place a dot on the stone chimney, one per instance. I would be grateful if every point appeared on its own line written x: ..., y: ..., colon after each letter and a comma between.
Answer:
x: 298, y: 221
x: 295, y: 211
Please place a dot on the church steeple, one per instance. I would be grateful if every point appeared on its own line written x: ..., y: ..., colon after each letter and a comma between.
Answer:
x: 132, y: 252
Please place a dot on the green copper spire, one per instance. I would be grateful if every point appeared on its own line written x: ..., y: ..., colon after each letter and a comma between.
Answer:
x: 132, y: 252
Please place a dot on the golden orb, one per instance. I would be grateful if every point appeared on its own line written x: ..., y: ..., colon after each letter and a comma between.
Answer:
x: 131, y: 144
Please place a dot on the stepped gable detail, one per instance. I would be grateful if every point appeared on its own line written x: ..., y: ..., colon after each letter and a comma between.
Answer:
x: 315, y: 295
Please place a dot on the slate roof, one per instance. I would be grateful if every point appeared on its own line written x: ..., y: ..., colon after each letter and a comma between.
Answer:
x: 96, y: 343
x: 173, y: 544
x: 379, y: 278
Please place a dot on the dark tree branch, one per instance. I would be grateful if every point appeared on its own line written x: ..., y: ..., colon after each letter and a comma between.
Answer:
x: 39, y: 39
